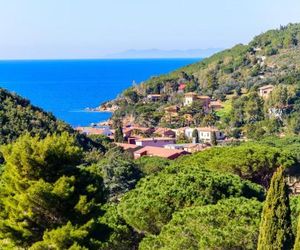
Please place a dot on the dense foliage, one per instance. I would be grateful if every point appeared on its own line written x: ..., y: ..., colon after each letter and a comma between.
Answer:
x: 251, y: 161
x: 18, y: 116
x: 119, y: 172
x: 230, y: 224
x: 151, y: 165
x: 276, y: 229
x: 150, y: 206
x: 46, y: 197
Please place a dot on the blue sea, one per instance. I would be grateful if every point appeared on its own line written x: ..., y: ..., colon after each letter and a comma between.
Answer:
x: 67, y: 87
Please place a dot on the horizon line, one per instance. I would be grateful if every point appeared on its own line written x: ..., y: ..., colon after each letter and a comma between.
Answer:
x: 100, y: 58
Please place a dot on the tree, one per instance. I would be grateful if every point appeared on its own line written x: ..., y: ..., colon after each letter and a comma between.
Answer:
x: 46, y: 198
x: 255, y: 162
x: 195, y: 136
x: 253, y: 108
x: 275, y: 227
x: 297, y: 240
x: 120, y: 174
x: 118, y: 137
x: 229, y: 224
x: 149, y: 206
x: 214, y: 138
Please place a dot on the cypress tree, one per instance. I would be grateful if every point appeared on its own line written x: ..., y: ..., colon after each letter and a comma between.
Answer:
x: 275, y: 227
x: 118, y: 131
x: 214, y: 139
x: 297, y: 241
x: 195, y: 136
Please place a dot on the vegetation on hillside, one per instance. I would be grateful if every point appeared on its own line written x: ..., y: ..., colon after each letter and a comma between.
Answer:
x: 233, y: 76
x: 55, y: 194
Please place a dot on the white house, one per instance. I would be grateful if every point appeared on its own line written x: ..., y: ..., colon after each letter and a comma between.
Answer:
x: 190, y: 97
x: 155, y: 142
x: 265, y: 91
x: 205, y: 133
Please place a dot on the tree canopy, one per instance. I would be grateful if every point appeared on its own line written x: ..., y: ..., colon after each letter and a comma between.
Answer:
x: 150, y: 206
x: 47, y: 199
x: 229, y: 224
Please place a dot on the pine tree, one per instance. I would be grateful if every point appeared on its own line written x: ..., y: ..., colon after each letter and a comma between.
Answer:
x: 195, y: 136
x: 43, y: 190
x: 275, y: 227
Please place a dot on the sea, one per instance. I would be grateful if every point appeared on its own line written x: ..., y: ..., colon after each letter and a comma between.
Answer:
x: 66, y: 87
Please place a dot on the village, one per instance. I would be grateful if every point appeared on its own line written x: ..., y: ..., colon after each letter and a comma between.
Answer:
x: 166, y: 142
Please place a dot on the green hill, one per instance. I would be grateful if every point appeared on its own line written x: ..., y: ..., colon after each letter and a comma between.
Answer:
x: 270, y: 58
x: 18, y: 117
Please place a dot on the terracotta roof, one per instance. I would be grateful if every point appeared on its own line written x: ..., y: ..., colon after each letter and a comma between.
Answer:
x: 216, y: 103
x: 203, y: 97
x: 156, y: 139
x: 161, y: 152
x: 162, y: 130
x: 126, y: 146
x: 207, y: 129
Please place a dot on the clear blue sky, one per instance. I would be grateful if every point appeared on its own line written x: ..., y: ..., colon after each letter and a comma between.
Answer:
x: 94, y: 28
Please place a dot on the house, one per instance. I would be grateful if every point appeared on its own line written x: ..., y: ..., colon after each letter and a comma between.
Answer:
x: 154, y: 97
x: 190, y: 97
x: 99, y: 130
x: 155, y: 142
x: 188, y: 147
x: 131, y: 148
x: 205, y: 133
x: 205, y: 100
x: 179, y: 131
x: 165, y: 132
x: 160, y: 152
x: 216, y: 105
x: 265, y: 91
x: 172, y: 111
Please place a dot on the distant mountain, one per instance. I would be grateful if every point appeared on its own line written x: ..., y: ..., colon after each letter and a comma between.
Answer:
x: 156, y: 53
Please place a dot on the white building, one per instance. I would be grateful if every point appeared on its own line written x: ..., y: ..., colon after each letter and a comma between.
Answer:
x: 190, y: 97
x: 205, y: 133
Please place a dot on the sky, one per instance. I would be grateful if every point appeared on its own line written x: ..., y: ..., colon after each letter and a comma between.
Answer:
x: 59, y: 29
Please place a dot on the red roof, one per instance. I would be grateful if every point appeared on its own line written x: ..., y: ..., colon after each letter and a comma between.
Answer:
x: 160, y: 152
x: 182, y: 86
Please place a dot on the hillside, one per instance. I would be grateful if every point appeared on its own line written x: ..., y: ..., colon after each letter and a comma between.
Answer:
x: 270, y: 58
x: 18, y: 116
